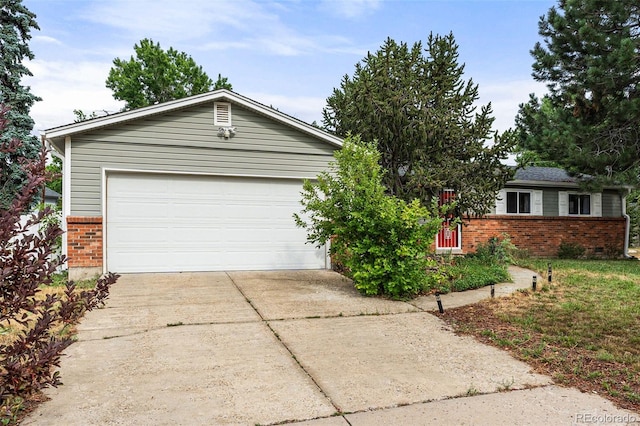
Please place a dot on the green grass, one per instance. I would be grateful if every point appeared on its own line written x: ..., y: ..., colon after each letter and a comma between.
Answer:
x: 468, y: 273
x: 59, y: 279
x: 596, y: 305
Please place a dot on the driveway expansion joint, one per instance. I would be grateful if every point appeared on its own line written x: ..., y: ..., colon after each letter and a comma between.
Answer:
x: 293, y: 356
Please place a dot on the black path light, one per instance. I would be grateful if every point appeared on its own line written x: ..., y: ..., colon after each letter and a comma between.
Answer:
x: 534, y: 283
x: 549, y: 272
x: 440, y: 308
x: 493, y: 290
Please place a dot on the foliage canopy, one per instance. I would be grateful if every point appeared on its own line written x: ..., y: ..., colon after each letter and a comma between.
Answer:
x: 16, y: 23
x: 423, y: 115
x: 380, y: 239
x: 590, y: 60
x: 156, y: 76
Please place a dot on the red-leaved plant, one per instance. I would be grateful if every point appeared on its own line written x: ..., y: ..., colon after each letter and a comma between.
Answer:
x: 40, y: 325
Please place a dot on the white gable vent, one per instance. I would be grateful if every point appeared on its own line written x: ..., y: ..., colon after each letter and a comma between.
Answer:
x: 221, y: 114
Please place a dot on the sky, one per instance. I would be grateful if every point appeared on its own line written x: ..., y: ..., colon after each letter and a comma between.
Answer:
x: 286, y: 54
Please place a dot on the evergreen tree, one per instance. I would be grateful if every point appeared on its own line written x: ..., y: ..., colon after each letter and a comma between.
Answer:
x: 16, y: 23
x: 422, y: 114
x: 589, y: 121
x: 156, y: 76
x: 222, y: 83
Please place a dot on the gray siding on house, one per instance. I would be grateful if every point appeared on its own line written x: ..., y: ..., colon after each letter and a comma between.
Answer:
x: 611, y: 201
x: 550, y: 202
x: 611, y: 204
x: 187, y: 141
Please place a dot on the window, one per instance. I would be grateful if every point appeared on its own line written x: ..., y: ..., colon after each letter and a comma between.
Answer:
x: 518, y: 202
x: 580, y: 204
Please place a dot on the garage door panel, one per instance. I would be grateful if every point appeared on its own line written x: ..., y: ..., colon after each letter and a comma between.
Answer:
x: 165, y: 223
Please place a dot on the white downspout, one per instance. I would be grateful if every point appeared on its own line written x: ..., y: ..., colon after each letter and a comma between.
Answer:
x: 65, y: 193
x: 628, y: 225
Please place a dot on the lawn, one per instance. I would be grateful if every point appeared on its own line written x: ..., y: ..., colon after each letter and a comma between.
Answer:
x: 583, y: 329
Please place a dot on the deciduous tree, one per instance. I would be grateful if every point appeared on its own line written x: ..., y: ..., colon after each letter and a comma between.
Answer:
x: 155, y: 75
x: 424, y: 117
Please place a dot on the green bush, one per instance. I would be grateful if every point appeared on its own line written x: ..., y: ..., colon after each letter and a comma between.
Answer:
x: 496, y: 250
x: 380, y: 240
x: 570, y: 251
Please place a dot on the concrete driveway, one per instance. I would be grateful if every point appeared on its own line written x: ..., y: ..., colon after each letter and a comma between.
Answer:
x: 296, y: 346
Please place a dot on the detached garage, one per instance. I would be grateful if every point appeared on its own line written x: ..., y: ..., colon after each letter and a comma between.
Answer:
x: 205, y: 183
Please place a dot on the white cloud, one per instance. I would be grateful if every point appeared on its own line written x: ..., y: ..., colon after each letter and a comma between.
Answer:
x: 65, y: 86
x: 505, y: 96
x: 46, y: 39
x: 350, y: 9
x: 219, y: 25
x: 183, y: 20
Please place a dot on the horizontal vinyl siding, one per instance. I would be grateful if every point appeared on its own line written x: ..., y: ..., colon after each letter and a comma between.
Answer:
x: 611, y: 204
x: 550, y: 202
x: 194, y: 127
x: 187, y: 142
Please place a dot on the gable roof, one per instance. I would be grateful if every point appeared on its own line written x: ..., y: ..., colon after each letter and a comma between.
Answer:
x: 56, y: 135
x: 552, y: 177
x: 544, y: 174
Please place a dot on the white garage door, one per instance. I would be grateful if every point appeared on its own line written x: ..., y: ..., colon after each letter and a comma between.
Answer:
x: 170, y: 223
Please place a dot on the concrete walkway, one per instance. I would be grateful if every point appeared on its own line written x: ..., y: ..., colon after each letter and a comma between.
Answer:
x: 298, y: 346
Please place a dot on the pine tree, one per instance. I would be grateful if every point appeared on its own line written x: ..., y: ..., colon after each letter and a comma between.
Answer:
x: 589, y: 121
x: 16, y: 23
x: 423, y: 116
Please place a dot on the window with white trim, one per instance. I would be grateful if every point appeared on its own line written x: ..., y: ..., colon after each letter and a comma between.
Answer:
x: 519, y: 201
x: 579, y: 204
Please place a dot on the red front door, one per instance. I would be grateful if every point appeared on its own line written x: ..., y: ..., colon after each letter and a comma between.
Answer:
x: 449, y: 235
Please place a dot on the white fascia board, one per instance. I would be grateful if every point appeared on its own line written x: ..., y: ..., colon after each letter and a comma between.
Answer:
x: 541, y: 183
x: 96, y: 123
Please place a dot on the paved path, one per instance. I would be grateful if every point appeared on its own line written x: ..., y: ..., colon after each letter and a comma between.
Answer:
x: 300, y: 346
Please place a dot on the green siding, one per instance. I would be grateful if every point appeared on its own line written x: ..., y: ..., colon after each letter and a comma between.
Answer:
x: 187, y: 141
x: 611, y: 201
x: 611, y: 204
x: 550, y: 202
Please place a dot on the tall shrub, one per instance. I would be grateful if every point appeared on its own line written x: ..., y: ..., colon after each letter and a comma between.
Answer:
x: 39, y: 325
x: 380, y: 239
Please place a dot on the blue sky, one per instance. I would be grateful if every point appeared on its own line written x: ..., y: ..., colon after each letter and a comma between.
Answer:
x: 287, y: 54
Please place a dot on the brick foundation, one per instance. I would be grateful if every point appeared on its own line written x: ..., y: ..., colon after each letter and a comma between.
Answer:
x: 542, y: 236
x: 84, y: 242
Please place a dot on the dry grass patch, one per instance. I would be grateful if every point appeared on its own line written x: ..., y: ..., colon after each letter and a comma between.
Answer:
x: 583, y: 329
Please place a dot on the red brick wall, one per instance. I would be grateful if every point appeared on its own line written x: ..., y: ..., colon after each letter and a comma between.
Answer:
x: 541, y: 236
x: 84, y: 241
